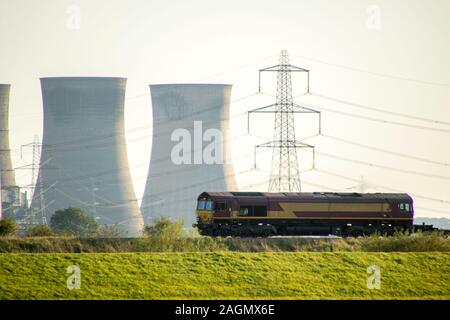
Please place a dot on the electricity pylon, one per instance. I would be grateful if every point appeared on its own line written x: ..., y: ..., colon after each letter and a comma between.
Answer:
x: 36, y: 146
x: 284, y: 174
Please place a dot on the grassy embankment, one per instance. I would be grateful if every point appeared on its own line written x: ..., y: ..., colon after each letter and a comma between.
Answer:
x: 420, y: 242
x: 226, y: 275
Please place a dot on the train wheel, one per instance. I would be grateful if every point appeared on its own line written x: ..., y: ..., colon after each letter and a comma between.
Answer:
x: 271, y: 232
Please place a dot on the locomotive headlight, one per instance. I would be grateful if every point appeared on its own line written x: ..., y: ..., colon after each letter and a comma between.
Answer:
x: 205, y: 216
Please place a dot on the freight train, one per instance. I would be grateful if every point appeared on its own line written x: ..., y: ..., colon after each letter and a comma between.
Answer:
x: 250, y: 214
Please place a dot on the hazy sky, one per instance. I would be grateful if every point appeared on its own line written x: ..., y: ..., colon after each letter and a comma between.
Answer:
x: 391, y: 55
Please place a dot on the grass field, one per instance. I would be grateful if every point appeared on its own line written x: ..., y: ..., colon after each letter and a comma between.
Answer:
x: 226, y: 275
x: 174, y: 242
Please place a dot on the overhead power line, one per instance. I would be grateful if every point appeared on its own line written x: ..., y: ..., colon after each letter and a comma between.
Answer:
x: 344, y: 177
x: 374, y: 165
x: 393, y: 113
x: 237, y: 68
x: 378, y: 74
x: 432, y: 210
x: 379, y: 120
x: 398, y: 154
x: 89, y: 140
x: 379, y: 166
x: 165, y: 173
x: 368, y: 118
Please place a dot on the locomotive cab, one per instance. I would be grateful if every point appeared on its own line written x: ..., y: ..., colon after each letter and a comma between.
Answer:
x: 205, y: 209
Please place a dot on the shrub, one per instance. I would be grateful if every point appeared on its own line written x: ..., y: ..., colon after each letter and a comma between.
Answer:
x: 163, y: 235
x: 166, y: 235
x: 164, y: 227
x: 109, y: 231
x: 40, y: 230
x: 406, y: 242
x: 7, y: 227
x: 74, y: 221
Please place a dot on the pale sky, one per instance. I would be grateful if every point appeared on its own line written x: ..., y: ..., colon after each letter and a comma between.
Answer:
x: 391, y: 55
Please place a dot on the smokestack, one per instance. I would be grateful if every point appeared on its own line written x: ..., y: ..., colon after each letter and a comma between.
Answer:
x: 6, y: 168
x: 187, y: 118
x: 84, y: 157
x: 7, y: 179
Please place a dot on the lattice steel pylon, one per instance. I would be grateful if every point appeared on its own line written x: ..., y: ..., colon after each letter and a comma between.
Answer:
x: 284, y: 174
x: 35, y: 166
x: 36, y: 145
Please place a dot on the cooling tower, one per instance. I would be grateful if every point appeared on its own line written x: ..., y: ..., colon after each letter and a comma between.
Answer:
x: 188, y: 121
x: 6, y: 169
x: 84, y: 158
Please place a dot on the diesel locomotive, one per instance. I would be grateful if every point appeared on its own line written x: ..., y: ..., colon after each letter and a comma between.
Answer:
x: 249, y: 214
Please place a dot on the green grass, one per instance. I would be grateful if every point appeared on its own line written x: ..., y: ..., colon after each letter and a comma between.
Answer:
x: 402, y: 242
x: 226, y: 275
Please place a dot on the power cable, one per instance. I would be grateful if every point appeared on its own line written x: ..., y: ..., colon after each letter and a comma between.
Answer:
x: 398, y: 154
x: 380, y: 186
x: 370, y: 164
x: 114, y: 135
x: 393, y: 113
x: 378, y: 74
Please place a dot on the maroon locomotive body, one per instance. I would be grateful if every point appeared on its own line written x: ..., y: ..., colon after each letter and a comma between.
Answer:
x: 317, y: 213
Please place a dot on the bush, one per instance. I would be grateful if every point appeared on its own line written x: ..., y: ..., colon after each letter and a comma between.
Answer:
x: 7, y: 227
x: 163, y: 235
x: 73, y: 221
x: 406, y: 242
x: 164, y: 227
x: 109, y: 231
x: 40, y: 230
x: 166, y: 235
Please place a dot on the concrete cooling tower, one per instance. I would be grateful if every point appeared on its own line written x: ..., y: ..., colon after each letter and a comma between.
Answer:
x: 9, y: 191
x: 84, y: 158
x: 6, y: 168
x: 190, y: 149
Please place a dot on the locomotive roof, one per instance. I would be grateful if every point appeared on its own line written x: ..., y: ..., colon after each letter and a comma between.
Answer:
x: 353, y: 196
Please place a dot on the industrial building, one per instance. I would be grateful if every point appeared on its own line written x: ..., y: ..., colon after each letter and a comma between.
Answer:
x: 190, y: 149
x: 84, y: 158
